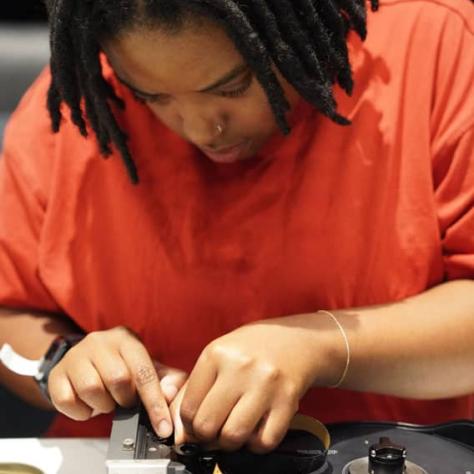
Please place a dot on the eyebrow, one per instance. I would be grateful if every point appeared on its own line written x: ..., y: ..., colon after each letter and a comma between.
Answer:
x: 230, y: 76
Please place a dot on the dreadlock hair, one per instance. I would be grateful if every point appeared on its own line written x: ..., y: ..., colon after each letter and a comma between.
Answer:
x: 305, y: 39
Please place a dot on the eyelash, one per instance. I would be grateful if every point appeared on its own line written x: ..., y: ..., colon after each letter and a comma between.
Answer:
x: 238, y: 92
x: 228, y: 94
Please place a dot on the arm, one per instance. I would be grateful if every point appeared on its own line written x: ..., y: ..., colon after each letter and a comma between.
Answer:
x: 30, y: 334
x: 421, y: 347
x: 105, y: 368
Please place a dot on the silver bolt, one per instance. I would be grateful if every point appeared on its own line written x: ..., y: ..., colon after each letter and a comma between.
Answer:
x: 366, y: 441
x: 152, y: 449
x: 128, y: 443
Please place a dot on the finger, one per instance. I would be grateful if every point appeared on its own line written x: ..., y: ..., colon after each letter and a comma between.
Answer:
x: 88, y: 386
x: 64, y: 399
x: 171, y: 380
x: 200, y: 381
x: 243, y: 420
x: 147, y: 384
x: 179, y: 433
x: 115, y: 376
x: 214, y: 410
x: 272, y: 428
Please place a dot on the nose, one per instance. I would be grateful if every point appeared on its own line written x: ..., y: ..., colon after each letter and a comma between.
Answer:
x: 201, y: 125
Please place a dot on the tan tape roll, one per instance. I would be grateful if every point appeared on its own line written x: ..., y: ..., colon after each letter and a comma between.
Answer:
x: 14, y: 468
x: 313, y: 426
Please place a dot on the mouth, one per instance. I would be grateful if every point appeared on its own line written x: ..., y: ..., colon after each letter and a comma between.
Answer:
x: 229, y: 154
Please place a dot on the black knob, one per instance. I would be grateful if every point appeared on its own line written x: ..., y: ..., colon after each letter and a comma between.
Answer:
x: 386, y: 457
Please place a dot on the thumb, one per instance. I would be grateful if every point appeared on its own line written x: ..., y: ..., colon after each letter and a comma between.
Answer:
x: 179, y: 434
x: 171, y: 380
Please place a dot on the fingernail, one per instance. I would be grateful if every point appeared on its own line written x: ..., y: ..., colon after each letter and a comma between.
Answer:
x: 164, y: 429
x: 169, y: 391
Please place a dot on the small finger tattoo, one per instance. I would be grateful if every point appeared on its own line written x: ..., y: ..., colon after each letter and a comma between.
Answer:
x: 145, y: 375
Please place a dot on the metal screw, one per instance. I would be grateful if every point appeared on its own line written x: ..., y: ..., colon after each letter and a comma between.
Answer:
x: 152, y: 449
x: 128, y: 443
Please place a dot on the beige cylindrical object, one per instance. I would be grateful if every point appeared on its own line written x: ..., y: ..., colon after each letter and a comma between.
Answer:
x: 16, y: 468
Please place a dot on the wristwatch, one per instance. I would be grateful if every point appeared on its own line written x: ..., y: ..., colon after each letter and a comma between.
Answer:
x: 39, y: 369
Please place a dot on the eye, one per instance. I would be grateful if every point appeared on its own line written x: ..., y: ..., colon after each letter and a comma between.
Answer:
x: 152, y: 99
x: 238, y: 91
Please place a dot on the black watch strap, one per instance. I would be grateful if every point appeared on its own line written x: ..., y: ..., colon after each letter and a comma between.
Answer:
x: 57, y: 350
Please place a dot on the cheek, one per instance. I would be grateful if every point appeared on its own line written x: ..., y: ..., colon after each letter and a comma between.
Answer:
x: 167, y: 115
x: 252, y: 117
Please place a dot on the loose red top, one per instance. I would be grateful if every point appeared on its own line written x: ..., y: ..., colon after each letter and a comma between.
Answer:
x: 329, y: 217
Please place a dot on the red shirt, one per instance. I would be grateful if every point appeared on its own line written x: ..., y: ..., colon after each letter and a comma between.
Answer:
x: 329, y: 217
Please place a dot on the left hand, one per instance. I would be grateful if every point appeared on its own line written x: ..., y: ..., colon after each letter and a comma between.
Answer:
x: 246, y: 386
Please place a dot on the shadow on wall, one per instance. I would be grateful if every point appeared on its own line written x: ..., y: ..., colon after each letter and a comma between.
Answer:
x: 23, y: 54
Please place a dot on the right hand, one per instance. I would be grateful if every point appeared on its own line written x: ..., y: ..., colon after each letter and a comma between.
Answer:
x: 113, y: 367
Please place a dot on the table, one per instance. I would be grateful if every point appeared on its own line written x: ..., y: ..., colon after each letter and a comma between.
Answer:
x: 56, y: 455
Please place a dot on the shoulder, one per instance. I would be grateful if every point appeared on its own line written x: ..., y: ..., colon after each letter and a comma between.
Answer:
x: 29, y: 141
x: 428, y: 45
x: 462, y: 10
x: 44, y: 158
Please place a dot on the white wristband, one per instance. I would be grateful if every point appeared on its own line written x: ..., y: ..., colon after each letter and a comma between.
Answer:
x: 17, y: 363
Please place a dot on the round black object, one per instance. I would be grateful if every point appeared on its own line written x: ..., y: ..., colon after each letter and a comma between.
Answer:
x: 387, y: 457
x: 300, y: 452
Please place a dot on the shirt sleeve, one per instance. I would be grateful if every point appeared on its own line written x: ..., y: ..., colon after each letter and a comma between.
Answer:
x: 455, y: 203
x: 453, y: 142
x: 22, y: 212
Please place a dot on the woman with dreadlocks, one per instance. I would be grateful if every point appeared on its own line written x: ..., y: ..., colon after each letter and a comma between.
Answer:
x: 293, y: 228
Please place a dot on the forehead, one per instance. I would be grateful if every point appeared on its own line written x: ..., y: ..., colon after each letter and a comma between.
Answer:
x: 156, y: 60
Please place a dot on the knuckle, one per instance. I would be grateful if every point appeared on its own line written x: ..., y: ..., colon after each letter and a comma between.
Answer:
x: 121, y: 331
x: 118, y: 380
x: 107, y: 406
x: 291, y: 392
x: 206, y: 430
x: 265, y: 443
x: 89, y: 389
x: 211, y: 351
x: 63, y: 402
x: 92, y: 338
x: 157, y: 407
x: 79, y: 415
x: 187, y: 413
x: 233, y: 437
x: 269, y: 373
x: 244, y: 362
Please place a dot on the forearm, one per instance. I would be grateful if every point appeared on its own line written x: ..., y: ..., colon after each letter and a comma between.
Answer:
x: 30, y: 334
x: 421, y: 347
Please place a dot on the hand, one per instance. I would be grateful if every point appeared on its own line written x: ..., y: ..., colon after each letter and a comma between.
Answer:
x: 246, y: 385
x: 113, y: 367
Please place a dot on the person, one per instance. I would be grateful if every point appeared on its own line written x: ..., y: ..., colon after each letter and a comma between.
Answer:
x: 284, y: 222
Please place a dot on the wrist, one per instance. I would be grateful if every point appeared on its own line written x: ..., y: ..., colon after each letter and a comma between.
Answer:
x: 347, y: 350
x: 57, y: 350
x: 332, y: 347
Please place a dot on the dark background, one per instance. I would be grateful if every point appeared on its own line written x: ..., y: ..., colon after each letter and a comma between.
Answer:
x: 23, y: 52
x: 23, y: 10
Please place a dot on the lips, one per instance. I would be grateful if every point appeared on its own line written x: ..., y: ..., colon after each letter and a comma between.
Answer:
x: 227, y: 154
